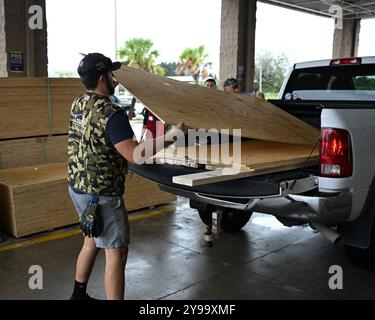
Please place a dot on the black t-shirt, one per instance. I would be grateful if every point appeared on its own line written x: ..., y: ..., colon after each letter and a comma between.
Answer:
x: 119, y: 128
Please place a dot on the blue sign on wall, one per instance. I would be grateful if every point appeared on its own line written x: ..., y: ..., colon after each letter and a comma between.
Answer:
x: 16, y: 61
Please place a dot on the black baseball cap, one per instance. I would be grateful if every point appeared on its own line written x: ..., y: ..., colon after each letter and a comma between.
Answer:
x: 95, y: 64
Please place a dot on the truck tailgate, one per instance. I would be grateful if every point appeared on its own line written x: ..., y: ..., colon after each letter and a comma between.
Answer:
x: 245, y: 188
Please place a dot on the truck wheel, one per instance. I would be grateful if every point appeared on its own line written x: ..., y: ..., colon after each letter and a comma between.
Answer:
x: 232, y: 220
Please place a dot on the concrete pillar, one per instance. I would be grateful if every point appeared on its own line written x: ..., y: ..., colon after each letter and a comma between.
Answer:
x: 346, y: 40
x: 3, y: 56
x: 237, y: 48
x: 17, y: 39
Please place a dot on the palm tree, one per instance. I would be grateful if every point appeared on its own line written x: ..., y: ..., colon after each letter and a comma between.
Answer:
x: 139, y: 54
x: 192, y: 62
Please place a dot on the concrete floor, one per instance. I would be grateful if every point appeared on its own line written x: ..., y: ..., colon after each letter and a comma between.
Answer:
x: 168, y: 259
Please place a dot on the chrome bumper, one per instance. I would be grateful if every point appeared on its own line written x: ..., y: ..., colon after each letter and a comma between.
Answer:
x: 328, y: 209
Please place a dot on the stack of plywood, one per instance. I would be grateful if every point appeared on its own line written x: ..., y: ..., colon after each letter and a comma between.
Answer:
x: 35, y: 199
x: 256, y: 158
x: 33, y: 155
x: 32, y: 151
x: 142, y: 193
x: 32, y: 107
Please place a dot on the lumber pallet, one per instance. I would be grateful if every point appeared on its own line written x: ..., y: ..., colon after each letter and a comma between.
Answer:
x: 36, y: 199
x: 173, y: 101
x: 33, y: 151
x: 33, y: 107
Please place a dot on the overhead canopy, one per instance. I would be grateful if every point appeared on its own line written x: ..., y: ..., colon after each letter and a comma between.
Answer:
x: 199, y: 107
x: 351, y: 9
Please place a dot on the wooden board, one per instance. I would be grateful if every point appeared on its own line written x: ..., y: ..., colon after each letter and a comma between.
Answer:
x: 257, y: 155
x: 33, y: 151
x: 217, y: 175
x: 35, y: 199
x: 173, y: 101
x: 36, y: 106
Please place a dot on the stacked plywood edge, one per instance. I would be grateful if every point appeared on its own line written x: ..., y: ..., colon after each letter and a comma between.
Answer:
x: 33, y: 155
x: 256, y: 158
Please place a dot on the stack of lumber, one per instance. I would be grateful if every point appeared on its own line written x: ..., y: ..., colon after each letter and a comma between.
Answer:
x: 33, y: 151
x: 142, y: 193
x: 32, y: 107
x: 33, y: 155
x: 256, y: 157
x: 35, y: 199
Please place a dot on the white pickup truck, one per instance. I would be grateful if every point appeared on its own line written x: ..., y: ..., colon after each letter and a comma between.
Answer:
x: 337, y: 196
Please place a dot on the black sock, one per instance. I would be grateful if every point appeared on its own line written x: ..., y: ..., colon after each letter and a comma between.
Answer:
x: 79, y: 290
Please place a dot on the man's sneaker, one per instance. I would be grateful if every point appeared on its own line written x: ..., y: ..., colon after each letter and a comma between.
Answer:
x: 86, y: 297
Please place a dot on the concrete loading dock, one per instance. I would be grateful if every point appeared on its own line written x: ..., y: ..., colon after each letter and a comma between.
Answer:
x: 169, y: 259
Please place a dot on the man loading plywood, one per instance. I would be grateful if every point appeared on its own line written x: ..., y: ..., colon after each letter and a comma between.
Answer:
x: 100, y: 144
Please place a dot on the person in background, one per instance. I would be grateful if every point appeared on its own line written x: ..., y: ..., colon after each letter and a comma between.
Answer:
x: 131, y: 110
x: 210, y: 83
x: 260, y: 95
x: 231, y: 85
x: 152, y: 126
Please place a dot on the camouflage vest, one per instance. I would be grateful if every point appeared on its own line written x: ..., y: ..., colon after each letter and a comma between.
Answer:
x: 94, y: 165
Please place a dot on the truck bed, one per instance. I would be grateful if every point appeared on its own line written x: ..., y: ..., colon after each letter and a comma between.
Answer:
x: 251, y: 187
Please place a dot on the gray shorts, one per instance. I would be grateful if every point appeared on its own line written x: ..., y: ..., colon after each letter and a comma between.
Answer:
x: 114, y: 218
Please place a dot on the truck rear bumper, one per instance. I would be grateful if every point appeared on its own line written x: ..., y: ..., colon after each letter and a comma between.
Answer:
x: 309, y: 207
x: 285, y: 194
x: 328, y: 209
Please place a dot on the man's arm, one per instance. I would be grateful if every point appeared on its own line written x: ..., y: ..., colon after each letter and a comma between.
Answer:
x: 127, y: 148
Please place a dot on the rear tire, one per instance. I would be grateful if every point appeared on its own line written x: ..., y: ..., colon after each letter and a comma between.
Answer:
x: 232, y: 220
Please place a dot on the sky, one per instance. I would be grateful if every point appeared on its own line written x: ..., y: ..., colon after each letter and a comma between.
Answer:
x: 173, y: 25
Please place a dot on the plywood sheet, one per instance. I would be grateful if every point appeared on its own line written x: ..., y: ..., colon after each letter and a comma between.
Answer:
x: 257, y: 155
x: 173, y: 101
x: 33, y: 151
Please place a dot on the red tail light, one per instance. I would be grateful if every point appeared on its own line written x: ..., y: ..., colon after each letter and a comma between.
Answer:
x: 335, y: 154
x: 338, y: 62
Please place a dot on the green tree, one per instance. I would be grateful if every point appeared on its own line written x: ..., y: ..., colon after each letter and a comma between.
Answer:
x: 192, y: 63
x: 274, y: 69
x: 138, y: 53
x: 169, y: 68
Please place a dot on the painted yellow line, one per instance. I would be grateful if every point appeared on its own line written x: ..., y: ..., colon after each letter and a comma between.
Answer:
x: 67, y: 234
